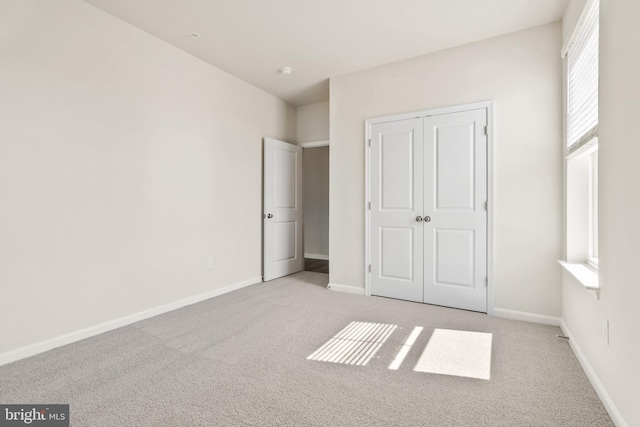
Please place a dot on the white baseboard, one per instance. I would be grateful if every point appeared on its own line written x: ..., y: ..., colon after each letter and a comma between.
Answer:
x: 527, y: 317
x: 611, y: 408
x: 42, y: 346
x: 317, y: 256
x: 347, y: 289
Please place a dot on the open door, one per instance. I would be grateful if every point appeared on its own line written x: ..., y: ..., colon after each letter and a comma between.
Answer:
x: 283, y: 252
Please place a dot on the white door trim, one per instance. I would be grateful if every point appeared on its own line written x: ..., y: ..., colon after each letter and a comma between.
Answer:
x: 488, y: 105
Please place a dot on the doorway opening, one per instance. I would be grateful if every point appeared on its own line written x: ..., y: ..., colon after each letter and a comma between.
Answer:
x: 315, y: 184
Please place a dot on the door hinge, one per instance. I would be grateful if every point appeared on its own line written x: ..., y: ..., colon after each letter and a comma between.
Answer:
x: 486, y: 130
x: 486, y: 206
x: 486, y: 281
x: 369, y: 205
x: 369, y: 268
x: 369, y: 142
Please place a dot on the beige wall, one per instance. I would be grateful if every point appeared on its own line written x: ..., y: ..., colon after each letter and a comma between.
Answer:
x: 615, y: 365
x: 316, y: 201
x: 312, y: 122
x: 521, y: 73
x: 124, y: 164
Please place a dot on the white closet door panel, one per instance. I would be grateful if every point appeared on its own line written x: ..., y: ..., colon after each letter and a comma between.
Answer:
x: 397, y: 170
x: 397, y: 252
x: 455, y: 180
x: 454, y: 254
x: 454, y: 163
x: 396, y: 201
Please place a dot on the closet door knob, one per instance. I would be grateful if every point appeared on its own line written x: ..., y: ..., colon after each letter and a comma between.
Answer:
x: 427, y: 219
x: 419, y: 218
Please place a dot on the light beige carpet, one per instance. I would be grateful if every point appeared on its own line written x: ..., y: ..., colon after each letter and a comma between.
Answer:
x: 241, y: 360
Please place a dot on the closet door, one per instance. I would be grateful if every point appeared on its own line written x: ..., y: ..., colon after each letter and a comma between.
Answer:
x: 455, y: 192
x: 396, y: 210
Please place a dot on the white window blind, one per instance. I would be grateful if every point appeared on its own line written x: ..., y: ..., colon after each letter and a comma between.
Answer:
x: 582, y: 96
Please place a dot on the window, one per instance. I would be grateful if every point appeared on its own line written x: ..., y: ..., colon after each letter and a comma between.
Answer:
x: 582, y: 80
x: 593, y: 209
x: 581, y: 147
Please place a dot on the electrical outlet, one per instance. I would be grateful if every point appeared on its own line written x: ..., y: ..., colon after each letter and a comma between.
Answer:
x: 605, y: 330
x: 210, y: 262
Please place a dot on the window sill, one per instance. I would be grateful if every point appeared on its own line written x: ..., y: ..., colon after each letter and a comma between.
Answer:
x: 585, y: 274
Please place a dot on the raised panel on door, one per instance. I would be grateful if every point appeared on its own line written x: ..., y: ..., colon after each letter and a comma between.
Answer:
x: 455, y: 180
x: 284, y: 240
x: 454, y: 257
x: 282, y: 249
x: 396, y: 201
x: 284, y: 176
x: 453, y: 161
x: 396, y: 253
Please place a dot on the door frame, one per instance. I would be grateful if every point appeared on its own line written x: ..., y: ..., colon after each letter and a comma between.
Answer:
x: 488, y: 105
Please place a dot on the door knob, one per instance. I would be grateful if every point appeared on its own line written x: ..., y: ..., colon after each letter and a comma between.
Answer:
x: 419, y: 218
x: 427, y: 219
x: 269, y: 216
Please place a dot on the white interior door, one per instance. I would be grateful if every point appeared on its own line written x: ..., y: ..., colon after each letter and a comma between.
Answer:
x: 282, y: 209
x: 428, y: 216
x: 396, y: 202
x: 455, y: 192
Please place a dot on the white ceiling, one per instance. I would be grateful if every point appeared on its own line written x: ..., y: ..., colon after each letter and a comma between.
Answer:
x: 319, y: 39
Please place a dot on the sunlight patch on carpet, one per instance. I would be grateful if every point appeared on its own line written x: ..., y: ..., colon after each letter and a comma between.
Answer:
x: 459, y: 353
x: 354, y: 345
x: 404, y: 350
